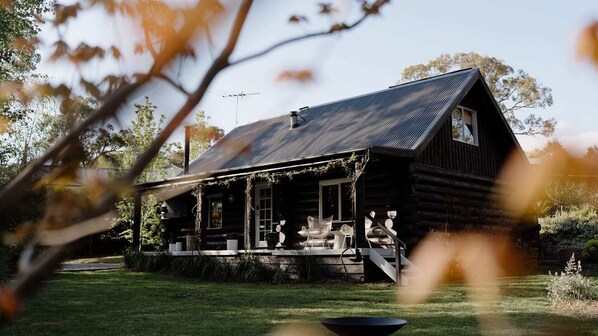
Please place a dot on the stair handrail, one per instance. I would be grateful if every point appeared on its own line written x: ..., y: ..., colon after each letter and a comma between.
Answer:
x: 398, y: 244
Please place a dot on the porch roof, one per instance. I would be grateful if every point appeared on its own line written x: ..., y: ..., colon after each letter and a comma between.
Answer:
x: 400, y: 118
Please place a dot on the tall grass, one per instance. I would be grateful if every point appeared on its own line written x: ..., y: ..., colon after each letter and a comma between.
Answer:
x: 243, y: 269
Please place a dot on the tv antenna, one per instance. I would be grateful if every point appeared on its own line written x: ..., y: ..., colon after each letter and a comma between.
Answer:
x: 237, y: 96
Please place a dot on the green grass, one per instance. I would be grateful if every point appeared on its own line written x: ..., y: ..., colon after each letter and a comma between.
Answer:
x: 127, y: 303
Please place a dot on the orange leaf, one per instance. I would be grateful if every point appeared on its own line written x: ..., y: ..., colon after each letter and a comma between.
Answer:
x: 587, y: 44
x: 9, y: 302
x: 296, y: 75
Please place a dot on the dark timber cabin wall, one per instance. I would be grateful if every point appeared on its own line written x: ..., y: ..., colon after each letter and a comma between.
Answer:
x: 452, y: 182
x: 233, y: 214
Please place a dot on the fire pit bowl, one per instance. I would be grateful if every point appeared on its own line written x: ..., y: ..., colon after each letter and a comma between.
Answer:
x: 358, y: 326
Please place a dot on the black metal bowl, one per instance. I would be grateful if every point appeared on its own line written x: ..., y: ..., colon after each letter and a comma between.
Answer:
x: 357, y: 326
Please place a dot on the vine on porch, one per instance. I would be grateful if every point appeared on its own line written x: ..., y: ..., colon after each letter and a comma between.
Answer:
x: 354, y: 167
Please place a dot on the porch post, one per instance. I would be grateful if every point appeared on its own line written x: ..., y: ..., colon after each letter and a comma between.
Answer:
x: 360, y: 239
x: 198, y: 214
x: 137, y: 221
x: 248, y: 191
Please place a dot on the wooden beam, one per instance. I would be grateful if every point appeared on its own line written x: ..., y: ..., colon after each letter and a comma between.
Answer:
x: 137, y: 221
x: 359, y: 205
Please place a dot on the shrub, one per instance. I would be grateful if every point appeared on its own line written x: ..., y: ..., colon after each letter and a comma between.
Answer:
x: 590, y: 250
x: 571, y: 285
x: 244, y: 269
x: 305, y: 268
x: 570, y: 228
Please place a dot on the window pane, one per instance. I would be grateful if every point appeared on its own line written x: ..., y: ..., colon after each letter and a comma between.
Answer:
x: 215, y: 214
x: 330, y: 201
x: 457, y: 123
x: 468, y: 135
x: 346, y: 203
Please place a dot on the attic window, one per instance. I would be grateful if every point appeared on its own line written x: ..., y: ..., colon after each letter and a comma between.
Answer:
x: 465, y: 126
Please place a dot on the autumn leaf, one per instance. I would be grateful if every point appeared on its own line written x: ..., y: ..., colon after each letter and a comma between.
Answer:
x: 61, y: 49
x: 9, y: 303
x: 326, y: 8
x: 297, y: 19
x: 63, y: 13
x: 374, y: 8
x: 84, y: 53
x: 91, y: 88
x: 115, y: 52
x: 587, y: 44
x: 296, y: 75
x: 338, y: 27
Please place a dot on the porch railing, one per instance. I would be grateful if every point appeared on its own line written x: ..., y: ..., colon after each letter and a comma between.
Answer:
x: 398, y: 244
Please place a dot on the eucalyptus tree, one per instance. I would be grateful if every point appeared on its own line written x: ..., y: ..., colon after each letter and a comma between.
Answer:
x: 514, y: 90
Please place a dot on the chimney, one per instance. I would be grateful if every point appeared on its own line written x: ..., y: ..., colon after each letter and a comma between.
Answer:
x: 187, y: 148
x: 294, y: 120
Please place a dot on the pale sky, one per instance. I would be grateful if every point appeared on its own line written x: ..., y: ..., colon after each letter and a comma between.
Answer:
x: 535, y: 36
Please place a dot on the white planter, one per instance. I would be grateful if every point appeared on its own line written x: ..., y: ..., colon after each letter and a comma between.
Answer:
x: 171, y: 247
x: 178, y: 246
x: 232, y: 244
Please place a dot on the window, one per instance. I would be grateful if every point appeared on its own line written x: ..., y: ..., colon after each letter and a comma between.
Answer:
x: 215, y: 212
x: 335, y: 199
x: 465, y: 128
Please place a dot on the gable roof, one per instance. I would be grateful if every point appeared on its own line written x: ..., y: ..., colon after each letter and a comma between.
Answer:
x: 402, y: 118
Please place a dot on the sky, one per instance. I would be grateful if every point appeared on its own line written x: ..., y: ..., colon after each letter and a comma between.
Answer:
x: 535, y: 36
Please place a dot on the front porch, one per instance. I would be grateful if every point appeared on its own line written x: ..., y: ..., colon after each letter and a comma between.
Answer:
x: 361, y: 265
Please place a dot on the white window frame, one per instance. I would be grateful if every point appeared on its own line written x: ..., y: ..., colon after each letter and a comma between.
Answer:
x: 210, y: 197
x: 338, y: 183
x: 474, y: 122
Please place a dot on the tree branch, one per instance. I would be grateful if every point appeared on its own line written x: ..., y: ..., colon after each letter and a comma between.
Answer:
x: 173, y: 83
x: 195, y: 97
x: 299, y: 38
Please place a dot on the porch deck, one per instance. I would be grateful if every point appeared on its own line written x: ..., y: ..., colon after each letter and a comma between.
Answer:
x: 263, y: 252
x: 346, y: 264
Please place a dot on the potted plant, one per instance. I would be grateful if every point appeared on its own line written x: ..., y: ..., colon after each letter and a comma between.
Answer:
x: 232, y: 243
x: 271, y: 240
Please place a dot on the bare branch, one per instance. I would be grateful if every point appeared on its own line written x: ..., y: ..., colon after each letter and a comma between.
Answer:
x: 333, y: 30
x: 170, y: 81
x: 218, y: 65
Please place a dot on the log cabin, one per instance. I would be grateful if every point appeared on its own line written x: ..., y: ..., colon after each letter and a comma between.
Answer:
x: 388, y: 167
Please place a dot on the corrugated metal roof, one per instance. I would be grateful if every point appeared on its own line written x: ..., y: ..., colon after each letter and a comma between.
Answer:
x: 399, y: 117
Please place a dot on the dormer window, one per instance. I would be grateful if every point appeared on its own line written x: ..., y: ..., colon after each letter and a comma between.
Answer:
x: 465, y: 126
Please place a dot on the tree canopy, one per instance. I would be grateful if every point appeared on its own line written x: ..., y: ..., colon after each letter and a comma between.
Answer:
x: 514, y: 90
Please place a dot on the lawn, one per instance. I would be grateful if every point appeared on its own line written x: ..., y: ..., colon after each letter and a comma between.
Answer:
x: 127, y: 303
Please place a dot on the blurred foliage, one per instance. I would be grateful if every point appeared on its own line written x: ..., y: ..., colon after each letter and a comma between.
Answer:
x: 570, y: 228
x: 514, y: 90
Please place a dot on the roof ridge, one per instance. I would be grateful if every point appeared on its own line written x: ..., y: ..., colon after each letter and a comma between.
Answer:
x: 450, y: 73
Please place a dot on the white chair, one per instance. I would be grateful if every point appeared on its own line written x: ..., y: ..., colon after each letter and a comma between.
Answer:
x: 316, y: 231
x: 347, y: 231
